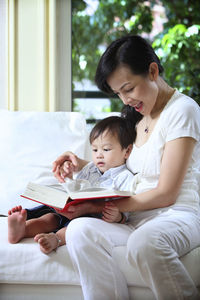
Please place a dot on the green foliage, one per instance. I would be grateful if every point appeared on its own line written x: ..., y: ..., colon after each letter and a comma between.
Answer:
x: 92, y: 34
x: 178, y: 46
x: 179, y: 51
x: 184, y: 12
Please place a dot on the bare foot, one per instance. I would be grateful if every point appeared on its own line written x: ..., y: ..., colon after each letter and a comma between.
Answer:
x: 48, y: 242
x: 16, y: 224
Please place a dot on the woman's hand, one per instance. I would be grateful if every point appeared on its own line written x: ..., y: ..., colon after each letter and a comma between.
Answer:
x: 86, y: 207
x: 66, y: 164
x: 67, y: 169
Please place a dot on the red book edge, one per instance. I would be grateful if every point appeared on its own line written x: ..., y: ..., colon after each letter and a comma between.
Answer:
x: 76, y: 201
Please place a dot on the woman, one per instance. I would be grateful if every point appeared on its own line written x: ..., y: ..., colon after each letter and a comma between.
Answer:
x: 165, y: 221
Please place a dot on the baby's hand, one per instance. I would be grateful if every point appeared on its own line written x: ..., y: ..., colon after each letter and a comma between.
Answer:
x: 111, y: 213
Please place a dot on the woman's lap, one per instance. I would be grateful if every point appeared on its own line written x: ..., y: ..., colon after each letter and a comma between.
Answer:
x: 117, y: 234
x: 178, y: 224
x: 154, y: 247
x: 178, y: 229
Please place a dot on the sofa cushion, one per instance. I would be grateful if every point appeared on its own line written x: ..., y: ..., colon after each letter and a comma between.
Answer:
x: 25, y: 263
x: 30, y: 142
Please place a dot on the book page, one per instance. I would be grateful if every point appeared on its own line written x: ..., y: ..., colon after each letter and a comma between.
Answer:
x: 98, y: 193
x: 93, y: 189
x: 46, y: 195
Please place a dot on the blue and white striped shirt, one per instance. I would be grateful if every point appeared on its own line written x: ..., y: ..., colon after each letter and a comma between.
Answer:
x: 118, y: 178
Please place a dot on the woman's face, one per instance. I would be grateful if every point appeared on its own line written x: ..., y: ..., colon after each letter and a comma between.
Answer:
x: 137, y: 91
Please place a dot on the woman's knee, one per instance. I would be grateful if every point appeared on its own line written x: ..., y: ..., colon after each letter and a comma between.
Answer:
x: 80, y: 229
x: 144, y: 245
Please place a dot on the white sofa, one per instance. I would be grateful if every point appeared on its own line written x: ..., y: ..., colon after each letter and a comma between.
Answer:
x: 29, y: 142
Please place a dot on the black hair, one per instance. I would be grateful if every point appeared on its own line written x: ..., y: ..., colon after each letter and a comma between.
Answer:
x: 131, y: 116
x: 118, y: 126
x: 132, y: 51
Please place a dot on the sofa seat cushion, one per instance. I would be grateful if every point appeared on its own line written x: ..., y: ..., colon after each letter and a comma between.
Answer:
x: 25, y: 263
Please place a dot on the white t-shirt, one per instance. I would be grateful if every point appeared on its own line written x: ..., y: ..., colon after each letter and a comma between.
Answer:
x: 180, y: 118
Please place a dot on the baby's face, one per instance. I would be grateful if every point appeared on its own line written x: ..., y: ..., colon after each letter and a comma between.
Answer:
x: 107, y: 152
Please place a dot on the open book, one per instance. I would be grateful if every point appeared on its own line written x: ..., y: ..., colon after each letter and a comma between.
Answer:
x: 61, y: 200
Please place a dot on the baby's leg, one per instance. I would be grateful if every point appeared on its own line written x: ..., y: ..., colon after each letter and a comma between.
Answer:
x: 51, y: 241
x: 19, y: 227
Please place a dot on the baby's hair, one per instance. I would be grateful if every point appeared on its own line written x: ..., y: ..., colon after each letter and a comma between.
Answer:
x: 117, y: 126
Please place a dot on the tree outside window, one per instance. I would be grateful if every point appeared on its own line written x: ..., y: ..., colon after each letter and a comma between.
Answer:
x: 172, y: 27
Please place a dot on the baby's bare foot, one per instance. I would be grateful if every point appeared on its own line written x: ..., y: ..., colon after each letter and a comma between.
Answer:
x: 48, y: 242
x: 14, y: 209
x: 16, y: 224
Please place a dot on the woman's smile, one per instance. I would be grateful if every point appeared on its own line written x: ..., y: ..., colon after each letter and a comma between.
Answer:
x: 139, y: 106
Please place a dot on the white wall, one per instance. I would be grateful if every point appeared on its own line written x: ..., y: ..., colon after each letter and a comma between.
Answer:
x: 39, y: 55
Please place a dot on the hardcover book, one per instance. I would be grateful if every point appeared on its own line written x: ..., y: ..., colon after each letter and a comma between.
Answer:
x: 61, y: 200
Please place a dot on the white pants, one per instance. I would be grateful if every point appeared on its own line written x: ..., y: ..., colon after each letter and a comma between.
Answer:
x: 153, y: 244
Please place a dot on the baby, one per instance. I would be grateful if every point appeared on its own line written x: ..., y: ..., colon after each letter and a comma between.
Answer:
x: 111, y: 142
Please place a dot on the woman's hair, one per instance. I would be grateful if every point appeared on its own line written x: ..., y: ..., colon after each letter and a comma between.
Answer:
x: 131, y: 116
x: 132, y: 51
x: 118, y: 126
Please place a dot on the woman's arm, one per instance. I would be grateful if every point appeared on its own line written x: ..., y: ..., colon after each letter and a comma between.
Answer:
x: 175, y: 161
x: 61, y: 170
